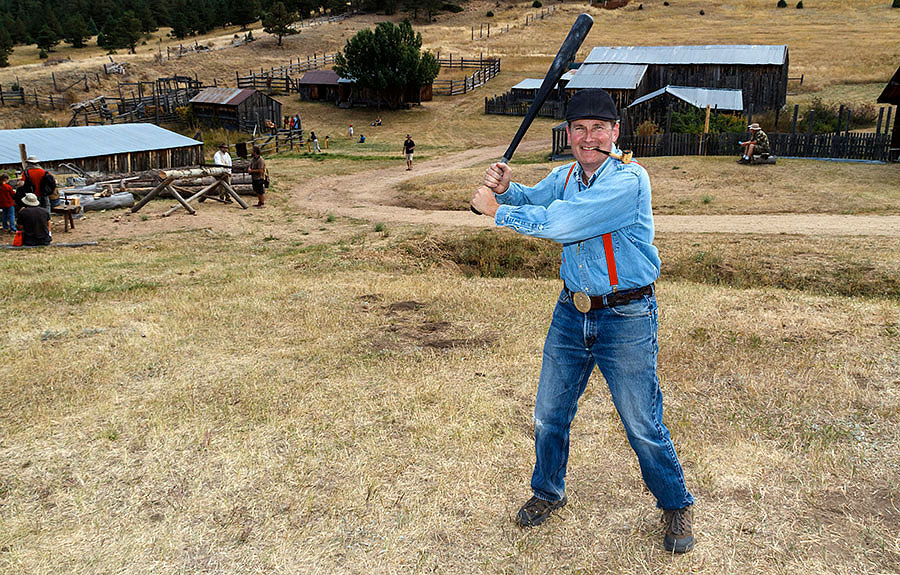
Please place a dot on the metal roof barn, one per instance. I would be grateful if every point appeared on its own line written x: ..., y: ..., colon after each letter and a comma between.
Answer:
x: 746, y: 54
x: 111, y: 148
x: 227, y: 96
x: 722, y: 99
x: 241, y: 109
x: 608, y: 76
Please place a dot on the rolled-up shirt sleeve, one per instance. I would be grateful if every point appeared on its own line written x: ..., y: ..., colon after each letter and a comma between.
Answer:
x: 610, y: 204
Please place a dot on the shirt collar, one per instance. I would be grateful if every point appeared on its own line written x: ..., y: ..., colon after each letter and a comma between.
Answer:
x: 603, y: 167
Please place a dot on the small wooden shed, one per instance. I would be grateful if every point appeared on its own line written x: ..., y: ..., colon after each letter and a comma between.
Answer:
x: 236, y: 108
x: 319, y: 85
x: 116, y: 148
x: 656, y: 105
x: 891, y: 95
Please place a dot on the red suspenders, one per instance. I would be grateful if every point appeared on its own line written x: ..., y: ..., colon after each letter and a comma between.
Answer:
x: 607, y: 247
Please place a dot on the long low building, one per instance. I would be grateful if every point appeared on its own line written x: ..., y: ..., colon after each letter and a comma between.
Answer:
x: 116, y: 148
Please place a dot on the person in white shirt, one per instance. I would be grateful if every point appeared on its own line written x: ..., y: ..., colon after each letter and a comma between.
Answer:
x: 223, y: 158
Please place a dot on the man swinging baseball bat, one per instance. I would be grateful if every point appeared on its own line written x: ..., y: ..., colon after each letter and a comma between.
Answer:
x: 599, y: 209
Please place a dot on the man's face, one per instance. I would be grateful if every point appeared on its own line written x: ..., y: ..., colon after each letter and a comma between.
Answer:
x: 590, y: 139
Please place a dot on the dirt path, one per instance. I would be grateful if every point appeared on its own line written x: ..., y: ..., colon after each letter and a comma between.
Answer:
x: 369, y: 196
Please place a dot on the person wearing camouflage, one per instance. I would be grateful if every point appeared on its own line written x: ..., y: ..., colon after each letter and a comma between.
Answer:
x: 757, y: 144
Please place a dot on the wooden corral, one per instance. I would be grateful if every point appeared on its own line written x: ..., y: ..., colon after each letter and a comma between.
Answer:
x: 237, y: 108
x: 107, y: 149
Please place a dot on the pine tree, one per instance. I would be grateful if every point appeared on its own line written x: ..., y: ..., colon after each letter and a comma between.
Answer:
x: 279, y: 21
x: 46, y: 39
x: 6, y: 47
x: 76, y: 31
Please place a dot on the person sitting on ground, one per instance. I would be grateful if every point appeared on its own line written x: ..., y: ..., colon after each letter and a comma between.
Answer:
x: 377, y: 121
x: 362, y: 139
x: 34, y: 221
x: 757, y: 144
x: 7, y: 205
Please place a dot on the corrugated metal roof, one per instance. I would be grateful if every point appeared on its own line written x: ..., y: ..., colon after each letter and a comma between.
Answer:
x: 723, y: 99
x: 320, y: 77
x: 60, y: 144
x: 707, y: 54
x: 226, y: 96
x: 608, y: 76
x: 530, y: 84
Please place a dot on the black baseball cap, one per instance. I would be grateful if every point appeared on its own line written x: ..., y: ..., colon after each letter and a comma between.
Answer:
x: 592, y: 104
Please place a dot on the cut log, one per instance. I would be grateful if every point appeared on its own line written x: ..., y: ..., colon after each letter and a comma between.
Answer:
x: 193, y: 173
x: 91, y: 204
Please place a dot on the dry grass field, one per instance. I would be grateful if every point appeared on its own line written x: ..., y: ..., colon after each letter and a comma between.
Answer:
x: 344, y: 382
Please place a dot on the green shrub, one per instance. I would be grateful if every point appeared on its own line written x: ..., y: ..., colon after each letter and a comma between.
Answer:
x: 782, y: 4
x: 692, y: 121
x: 490, y: 13
x: 536, y: 4
x: 647, y: 128
x: 800, y: 4
x: 37, y: 121
x: 448, y: 7
x: 896, y: 4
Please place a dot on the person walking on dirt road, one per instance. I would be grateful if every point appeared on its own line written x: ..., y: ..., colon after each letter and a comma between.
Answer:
x: 409, y: 147
x: 599, y: 209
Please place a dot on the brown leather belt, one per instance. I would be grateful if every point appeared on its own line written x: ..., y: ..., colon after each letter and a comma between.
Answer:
x: 580, y: 299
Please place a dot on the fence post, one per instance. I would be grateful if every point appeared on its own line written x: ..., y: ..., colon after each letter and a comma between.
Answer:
x: 4, y: 103
x: 794, y: 123
x: 877, y: 128
x: 34, y: 90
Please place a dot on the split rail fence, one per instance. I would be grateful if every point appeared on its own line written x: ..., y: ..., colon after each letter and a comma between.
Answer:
x: 487, y: 68
x: 280, y: 78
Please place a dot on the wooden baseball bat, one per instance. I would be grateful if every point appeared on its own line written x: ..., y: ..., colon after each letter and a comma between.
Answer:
x: 564, y: 57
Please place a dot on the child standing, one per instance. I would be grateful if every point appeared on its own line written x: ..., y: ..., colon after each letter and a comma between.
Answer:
x: 7, y: 205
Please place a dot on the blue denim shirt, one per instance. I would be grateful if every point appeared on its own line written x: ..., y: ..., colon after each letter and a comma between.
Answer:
x: 616, y: 200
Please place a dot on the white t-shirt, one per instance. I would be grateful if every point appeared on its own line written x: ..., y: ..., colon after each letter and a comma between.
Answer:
x: 223, y: 159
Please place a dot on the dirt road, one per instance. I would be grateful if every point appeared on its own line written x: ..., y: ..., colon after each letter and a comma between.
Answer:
x: 370, y: 197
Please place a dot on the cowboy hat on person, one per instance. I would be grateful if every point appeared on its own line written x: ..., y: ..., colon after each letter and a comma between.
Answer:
x: 33, y: 160
x: 223, y: 146
x: 753, y: 126
x: 30, y: 200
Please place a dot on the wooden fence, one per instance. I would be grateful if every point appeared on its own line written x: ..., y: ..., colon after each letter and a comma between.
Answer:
x: 21, y: 98
x: 283, y: 140
x: 489, y: 69
x: 506, y: 105
x: 837, y: 145
x: 279, y: 78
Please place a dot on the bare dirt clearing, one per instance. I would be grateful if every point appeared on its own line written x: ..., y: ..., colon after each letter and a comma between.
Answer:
x: 296, y: 209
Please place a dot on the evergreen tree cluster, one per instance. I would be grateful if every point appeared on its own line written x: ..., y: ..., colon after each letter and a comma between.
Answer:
x: 121, y: 25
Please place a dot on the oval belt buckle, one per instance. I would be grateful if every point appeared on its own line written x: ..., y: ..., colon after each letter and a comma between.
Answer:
x: 582, y: 301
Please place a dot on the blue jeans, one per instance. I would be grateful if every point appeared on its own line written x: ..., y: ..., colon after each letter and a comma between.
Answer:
x: 8, y: 218
x: 622, y: 341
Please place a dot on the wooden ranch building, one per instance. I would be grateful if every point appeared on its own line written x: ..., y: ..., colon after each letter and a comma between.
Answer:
x: 891, y: 95
x: 760, y: 72
x: 116, y: 148
x: 236, y: 108
x: 319, y: 85
x: 656, y: 105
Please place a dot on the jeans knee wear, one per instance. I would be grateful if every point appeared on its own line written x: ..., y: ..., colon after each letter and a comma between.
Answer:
x: 622, y: 342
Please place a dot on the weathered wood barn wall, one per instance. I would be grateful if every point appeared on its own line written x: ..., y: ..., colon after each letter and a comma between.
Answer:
x: 115, y: 148
x: 240, y: 109
x: 760, y: 72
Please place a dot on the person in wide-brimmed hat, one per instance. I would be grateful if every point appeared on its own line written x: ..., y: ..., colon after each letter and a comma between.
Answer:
x: 598, y: 208
x: 757, y: 144
x: 34, y: 221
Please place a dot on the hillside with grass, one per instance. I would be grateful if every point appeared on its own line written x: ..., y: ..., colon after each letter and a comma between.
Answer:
x: 344, y: 381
